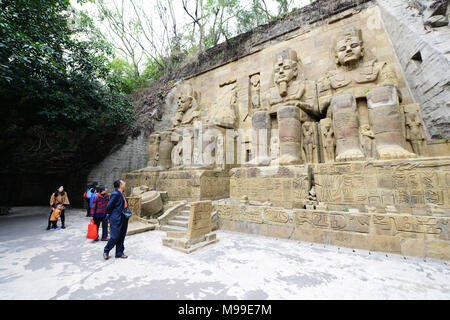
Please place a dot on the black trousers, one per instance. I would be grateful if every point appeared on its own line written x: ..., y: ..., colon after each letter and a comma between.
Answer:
x: 63, y: 219
x: 117, y: 239
x: 104, y: 223
x: 88, y: 210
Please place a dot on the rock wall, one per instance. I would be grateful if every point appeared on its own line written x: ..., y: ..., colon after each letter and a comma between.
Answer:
x: 308, y: 30
x: 133, y: 154
x: 423, y: 54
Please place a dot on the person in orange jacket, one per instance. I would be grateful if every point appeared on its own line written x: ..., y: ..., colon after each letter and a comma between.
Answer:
x: 55, y: 215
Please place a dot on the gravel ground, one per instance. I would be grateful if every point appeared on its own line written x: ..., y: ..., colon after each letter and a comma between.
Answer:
x: 63, y: 264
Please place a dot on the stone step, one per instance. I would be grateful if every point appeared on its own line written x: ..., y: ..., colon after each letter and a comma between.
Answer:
x: 180, y: 243
x: 185, y: 213
x: 179, y: 223
x: 183, y: 218
x: 176, y: 234
x: 172, y: 228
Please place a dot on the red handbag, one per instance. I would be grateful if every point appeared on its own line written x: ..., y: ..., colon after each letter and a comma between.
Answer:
x: 92, y: 230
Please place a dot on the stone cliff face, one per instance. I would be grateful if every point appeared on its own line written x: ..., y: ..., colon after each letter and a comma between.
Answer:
x: 133, y: 154
x: 422, y: 52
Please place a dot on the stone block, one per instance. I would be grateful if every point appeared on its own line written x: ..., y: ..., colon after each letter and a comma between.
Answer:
x: 438, y: 249
x: 384, y: 243
x: 413, y: 247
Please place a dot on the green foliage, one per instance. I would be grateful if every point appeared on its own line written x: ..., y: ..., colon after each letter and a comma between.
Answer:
x: 54, y: 71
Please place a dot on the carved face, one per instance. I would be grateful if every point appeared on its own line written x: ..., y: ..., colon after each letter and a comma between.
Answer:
x: 412, y: 119
x: 184, y: 102
x: 284, y: 70
x: 307, y: 128
x: 348, y: 50
x: 154, y: 139
x: 254, y: 80
x: 327, y: 127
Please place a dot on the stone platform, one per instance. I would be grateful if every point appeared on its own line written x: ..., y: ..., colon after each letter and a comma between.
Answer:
x: 190, y: 185
x: 404, y: 234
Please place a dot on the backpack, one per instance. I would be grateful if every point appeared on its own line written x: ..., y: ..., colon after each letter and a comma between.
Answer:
x: 91, y: 202
x: 89, y: 193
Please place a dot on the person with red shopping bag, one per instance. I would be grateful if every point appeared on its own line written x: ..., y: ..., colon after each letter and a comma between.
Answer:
x: 98, y: 211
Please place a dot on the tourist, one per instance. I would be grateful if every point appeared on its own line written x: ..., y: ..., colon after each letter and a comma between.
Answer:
x: 118, y: 221
x: 58, y: 197
x: 91, y: 200
x: 56, y: 215
x: 89, y: 191
x: 98, y: 211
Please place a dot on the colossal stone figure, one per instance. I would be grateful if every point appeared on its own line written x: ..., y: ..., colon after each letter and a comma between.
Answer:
x: 294, y: 101
x: 165, y: 150
x: 415, y: 133
x: 328, y: 140
x: 352, y: 89
x: 153, y: 150
x: 260, y: 139
x: 187, y: 107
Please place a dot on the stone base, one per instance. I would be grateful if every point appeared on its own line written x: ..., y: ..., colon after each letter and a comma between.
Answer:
x: 190, y: 185
x: 416, y: 186
x: 177, y: 241
x: 394, y: 233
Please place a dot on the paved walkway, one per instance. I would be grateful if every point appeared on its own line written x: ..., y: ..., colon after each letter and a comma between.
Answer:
x: 63, y: 264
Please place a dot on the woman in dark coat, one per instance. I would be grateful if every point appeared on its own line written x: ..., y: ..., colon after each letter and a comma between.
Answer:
x: 58, y: 197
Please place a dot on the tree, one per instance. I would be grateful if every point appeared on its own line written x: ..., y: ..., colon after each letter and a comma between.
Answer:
x: 56, y: 83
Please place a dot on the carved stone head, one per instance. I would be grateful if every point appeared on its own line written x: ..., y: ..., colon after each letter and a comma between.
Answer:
x: 348, y: 46
x: 186, y: 98
x: 285, y: 68
x: 307, y: 128
x: 254, y: 80
x: 154, y: 138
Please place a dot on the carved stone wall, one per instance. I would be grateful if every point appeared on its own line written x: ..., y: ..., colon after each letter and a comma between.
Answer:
x: 394, y: 233
x: 409, y: 185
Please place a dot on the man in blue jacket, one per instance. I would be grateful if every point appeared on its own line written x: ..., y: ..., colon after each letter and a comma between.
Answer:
x: 118, y: 221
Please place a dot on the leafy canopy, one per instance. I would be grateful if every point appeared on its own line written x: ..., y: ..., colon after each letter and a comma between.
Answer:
x: 55, y: 72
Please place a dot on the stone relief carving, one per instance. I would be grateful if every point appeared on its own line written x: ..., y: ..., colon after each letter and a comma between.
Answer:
x: 309, y: 141
x: 328, y: 140
x: 254, y: 93
x: 415, y: 133
x: 223, y: 113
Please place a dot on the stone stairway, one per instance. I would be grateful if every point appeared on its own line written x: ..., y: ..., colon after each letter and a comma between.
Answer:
x: 179, y: 222
x: 199, y: 233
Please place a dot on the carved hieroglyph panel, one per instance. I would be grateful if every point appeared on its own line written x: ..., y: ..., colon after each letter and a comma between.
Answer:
x: 276, y: 215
